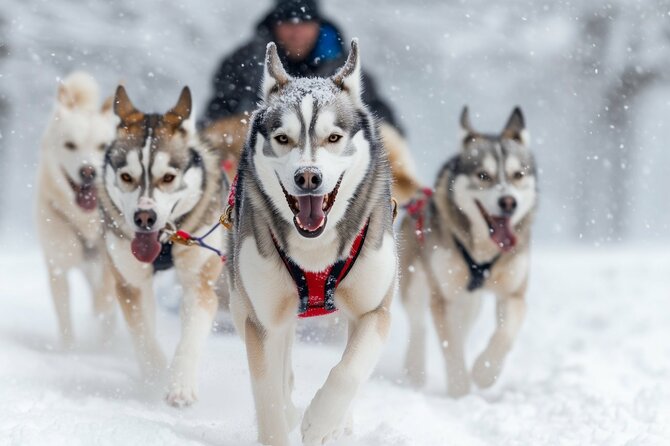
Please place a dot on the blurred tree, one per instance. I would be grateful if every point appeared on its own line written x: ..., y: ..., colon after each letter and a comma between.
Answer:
x: 623, y: 50
x: 4, y: 108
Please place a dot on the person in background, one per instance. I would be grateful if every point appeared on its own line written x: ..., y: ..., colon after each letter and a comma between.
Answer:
x: 309, y: 45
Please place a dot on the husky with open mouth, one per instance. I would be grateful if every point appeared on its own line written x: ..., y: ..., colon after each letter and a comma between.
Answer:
x: 68, y: 221
x: 471, y: 233
x: 312, y: 234
x: 158, y: 176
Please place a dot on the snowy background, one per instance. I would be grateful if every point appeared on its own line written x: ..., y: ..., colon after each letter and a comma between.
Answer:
x: 592, y: 364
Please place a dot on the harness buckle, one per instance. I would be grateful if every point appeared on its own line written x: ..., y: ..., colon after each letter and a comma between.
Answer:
x: 226, y: 218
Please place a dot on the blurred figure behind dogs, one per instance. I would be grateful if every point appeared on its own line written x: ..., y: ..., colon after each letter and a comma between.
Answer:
x: 309, y: 45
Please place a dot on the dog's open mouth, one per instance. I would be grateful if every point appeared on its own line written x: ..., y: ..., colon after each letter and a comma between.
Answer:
x: 500, y: 229
x: 310, y: 212
x: 85, y: 194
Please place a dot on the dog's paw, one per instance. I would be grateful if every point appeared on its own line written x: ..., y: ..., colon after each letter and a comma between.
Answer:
x: 181, y: 395
x: 415, y: 378
x: 321, y: 425
x: 486, y: 371
x: 292, y: 415
x: 459, y: 386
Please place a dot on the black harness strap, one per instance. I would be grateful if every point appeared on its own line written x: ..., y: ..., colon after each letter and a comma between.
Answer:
x: 164, y: 260
x: 479, y: 272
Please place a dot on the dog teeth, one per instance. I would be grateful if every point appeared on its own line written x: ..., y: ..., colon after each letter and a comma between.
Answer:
x: 325, y: 202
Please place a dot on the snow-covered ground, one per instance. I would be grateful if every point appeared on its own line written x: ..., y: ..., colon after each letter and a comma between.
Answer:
x: 591, y: 366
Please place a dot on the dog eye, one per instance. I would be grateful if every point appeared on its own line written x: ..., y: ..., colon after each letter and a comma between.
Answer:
x: 102, y: 146
x: 519, y: 175
x: 334, y: 138
x: 168, y: 178
x: 126, y: 178
x: 484, y: 176
x: 281, y: 139
x: 70, y: 145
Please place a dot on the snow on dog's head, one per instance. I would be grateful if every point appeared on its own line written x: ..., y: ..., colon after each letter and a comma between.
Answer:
x: 310, y: 148
x: 77, y: 136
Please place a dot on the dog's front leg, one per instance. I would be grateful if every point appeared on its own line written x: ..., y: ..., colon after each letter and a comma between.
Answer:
x: 101, y: 281
x: 452, y: 318
x: 60, y: 291
x: 198, y: 309
x: 266, y: 350
x: 510, y: 311
x: 326, y: 417
x: 139, y: 310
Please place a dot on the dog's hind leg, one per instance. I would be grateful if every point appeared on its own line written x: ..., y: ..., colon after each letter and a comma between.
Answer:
x: 197, y: 314
x: 266, y: 354
x: 415, y: 302
x: 328, y: 416
x: 510, y: 311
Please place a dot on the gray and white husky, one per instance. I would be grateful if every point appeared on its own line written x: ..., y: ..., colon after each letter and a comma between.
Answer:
x: 157, y: 175
x: 68, y: 220
x: 312, y: 233
x: 470, y: 234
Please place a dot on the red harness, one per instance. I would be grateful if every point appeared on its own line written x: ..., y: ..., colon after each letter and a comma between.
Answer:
x: 316, y: 290
x: 415, y: 210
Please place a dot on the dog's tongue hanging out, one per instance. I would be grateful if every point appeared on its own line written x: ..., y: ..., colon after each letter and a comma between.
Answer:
x: 87, y: 197
x: 501, y: 232
x: 145, y: 246
x: 311, y: 215
x: 500, y: 229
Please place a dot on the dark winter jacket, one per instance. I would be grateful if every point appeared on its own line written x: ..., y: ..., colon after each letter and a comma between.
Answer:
x: 238, y: 80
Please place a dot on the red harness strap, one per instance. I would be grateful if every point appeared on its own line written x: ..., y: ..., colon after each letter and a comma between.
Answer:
x: 316, y: 290
x: 415, y: 210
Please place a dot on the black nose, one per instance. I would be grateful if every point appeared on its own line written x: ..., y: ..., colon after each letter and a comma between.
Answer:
x: 145, y: 219
x: 87, y: 174
x: 308, y: 179
x: 507, y: 204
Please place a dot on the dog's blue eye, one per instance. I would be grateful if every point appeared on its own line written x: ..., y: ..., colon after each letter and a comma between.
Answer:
x: 281, y: 139
x: 70, y: 145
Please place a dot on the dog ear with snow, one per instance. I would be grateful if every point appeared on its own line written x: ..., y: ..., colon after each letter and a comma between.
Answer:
x: 180, y: 114
x: 274, y: 74
x: 348, y: 77
x: 515, y: 128
x: 125, y: 109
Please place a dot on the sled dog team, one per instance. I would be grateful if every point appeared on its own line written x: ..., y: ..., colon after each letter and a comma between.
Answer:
x: 309, y: 230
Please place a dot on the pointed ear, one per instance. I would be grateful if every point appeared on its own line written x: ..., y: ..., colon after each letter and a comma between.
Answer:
x: 125, y: 109
x: 516, y: 128
x: 179, y: 114
x: 349, y: 76
x: 274, y: 74
x: 467, y: 131
x: 108, y: 105
x: 64, y: 97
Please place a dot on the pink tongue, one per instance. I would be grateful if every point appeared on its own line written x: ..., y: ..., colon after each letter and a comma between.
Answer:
x: 501, y: 233
x: 311, y: 214
x: 145, y: 246
x: 87, y: 197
